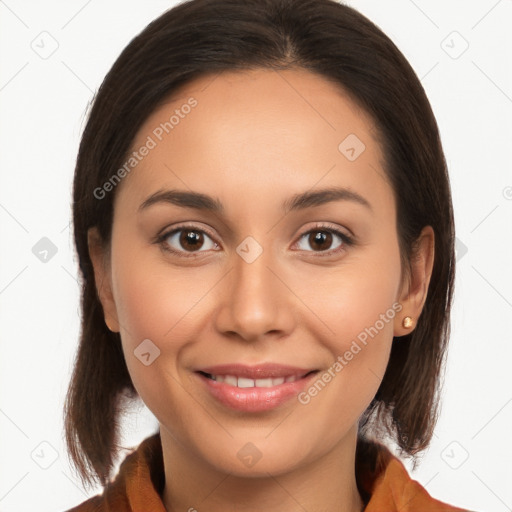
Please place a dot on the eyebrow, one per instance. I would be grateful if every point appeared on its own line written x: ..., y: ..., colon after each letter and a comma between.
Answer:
x: 301, y: 201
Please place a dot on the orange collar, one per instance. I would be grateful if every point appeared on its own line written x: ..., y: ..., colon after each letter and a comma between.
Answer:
x: 382, y: 480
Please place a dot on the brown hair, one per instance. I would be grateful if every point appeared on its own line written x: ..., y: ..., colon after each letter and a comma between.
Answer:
x: 209, y: 36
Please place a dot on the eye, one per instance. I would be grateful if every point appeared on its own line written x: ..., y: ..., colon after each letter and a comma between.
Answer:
x: 324, y: 239
x: 186, y: 239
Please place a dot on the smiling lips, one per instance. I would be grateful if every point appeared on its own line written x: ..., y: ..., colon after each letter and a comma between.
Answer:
x: 254, y: 388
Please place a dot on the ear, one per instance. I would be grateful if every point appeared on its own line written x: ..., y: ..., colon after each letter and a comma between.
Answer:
x: 102, y: 278
x: 414, y: 291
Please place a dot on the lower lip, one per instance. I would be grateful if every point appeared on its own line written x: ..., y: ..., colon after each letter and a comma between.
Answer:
x: 254, y: 399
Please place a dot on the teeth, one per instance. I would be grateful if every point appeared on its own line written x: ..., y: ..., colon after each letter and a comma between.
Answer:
x: 243, y: 382
x: 228, y: 379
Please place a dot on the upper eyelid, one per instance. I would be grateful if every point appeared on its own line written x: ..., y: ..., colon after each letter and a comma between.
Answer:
x: 165, y: 233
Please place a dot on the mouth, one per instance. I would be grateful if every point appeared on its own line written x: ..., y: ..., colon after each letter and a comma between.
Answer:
x: 245, y: 382
x: 253, y: 389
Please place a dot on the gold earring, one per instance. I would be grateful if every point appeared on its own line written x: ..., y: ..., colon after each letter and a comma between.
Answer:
x: 407, y: 322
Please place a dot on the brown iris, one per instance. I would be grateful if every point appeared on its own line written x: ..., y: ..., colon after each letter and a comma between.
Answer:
x: 319, y: 238
x: 191, y: 240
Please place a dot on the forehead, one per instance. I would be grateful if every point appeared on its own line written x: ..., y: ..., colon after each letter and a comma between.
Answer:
x: 259, y: 130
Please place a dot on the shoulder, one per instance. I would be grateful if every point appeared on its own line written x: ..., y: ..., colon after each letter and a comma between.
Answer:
x: 386, y: 485
x: 140, y: 480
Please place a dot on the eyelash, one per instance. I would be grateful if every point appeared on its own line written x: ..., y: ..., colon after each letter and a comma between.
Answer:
x: 347, y: 241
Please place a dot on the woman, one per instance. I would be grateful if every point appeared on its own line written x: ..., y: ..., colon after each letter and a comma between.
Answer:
x: 264, y: 226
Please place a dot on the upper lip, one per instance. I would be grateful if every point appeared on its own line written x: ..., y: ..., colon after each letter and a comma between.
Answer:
x: 259, y: 371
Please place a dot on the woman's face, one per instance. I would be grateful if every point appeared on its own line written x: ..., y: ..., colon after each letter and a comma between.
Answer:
x: 266, y: 266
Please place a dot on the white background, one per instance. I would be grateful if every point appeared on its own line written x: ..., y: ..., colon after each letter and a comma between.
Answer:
x: 43, y: 101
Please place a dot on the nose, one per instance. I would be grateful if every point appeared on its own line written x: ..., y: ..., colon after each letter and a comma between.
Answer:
x: 255, y: 301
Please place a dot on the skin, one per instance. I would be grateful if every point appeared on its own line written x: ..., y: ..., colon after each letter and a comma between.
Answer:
x: 255, y: 139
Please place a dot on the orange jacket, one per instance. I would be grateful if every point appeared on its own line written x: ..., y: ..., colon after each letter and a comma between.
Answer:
x: 382, y: 479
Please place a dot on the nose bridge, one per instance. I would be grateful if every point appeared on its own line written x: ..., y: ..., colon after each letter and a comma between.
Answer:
x: 255, y: 302
x: 252, y: 278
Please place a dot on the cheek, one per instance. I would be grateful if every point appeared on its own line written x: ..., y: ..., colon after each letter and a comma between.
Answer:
x: 357, y: 304
x: 155, y: 300
x: 157, y: 304
x: 358, y: 296
x: 360, y: 347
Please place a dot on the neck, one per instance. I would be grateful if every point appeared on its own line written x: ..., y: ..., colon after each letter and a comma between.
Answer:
x: 326, y: 484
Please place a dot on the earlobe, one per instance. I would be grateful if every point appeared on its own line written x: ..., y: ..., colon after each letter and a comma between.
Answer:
x: 102, y: 278
x: 415, y: 292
